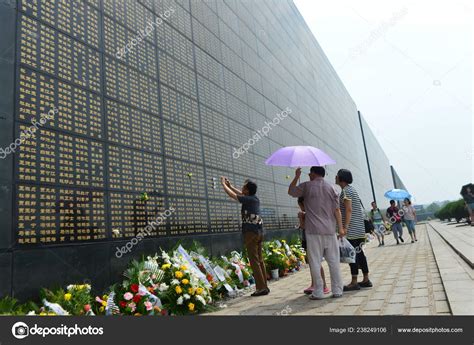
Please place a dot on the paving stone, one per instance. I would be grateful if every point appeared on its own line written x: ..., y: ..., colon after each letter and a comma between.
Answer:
x: 420, y: 285
x: 384, y: 288
x: 374, y: 305
x: 420, y: 311
x: 399, y: 298
x: 442, y: 307
x: 401, y: 290
x: 403, y: 283
x: 347, y: 310
x: 394, y: 309
x: 379, y: 295
x: 420, y: 292
x: 419, y: 302
x: 356, y: 301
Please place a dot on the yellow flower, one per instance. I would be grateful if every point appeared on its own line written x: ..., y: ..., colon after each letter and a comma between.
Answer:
x: 43, y: 313
x: 191, y: 291
x: 183, y: 268
x: 165, y: 266
x: 101, y: 309
x: 199, y: 290
x: 191, y: 306
x: 185, y: 281
x: 67, y: 297
x: 104, y: 303
x: 178, y: 274
x: 105, y: 297
x: 178, y: 289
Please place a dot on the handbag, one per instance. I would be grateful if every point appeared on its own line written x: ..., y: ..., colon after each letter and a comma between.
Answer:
x: 368, y: 225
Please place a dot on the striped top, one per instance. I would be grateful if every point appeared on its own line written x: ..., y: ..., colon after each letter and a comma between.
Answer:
x: 356, y: 225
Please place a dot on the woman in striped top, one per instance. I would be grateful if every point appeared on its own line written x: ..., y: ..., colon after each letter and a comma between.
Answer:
x: 353, y: 222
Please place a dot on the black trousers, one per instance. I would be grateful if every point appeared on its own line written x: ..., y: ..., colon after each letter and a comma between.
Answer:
x: 361, y: 260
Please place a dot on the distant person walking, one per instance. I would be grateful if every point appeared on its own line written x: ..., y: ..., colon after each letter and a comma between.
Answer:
x: 393, y: 215
x: 469, y: 200
x: 301, y: 217
x: 378, y: 221
x: 353, y: 221
x: 409, y: 217
x: 321, y: 214
x: 252, y: 230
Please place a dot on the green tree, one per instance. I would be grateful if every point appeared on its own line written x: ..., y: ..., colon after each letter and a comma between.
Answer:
x: 433, y: 207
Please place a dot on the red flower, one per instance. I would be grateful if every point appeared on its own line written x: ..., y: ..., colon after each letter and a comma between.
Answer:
x: 123, y: 304
x: 134, y: 288
x: 164, y: 312
x: 137, y: 298
x: 87, y: 307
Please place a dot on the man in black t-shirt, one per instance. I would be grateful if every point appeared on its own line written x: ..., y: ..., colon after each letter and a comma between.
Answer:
x: 252, y: 230
x: 395, y: 218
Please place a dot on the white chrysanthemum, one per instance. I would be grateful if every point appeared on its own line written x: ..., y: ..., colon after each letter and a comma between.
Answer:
x: 186, y: 296
x: 175, y: 282
x: 201, y: 299
x: 70, y: 287
x: 163, y: 287
x: 179, y: 301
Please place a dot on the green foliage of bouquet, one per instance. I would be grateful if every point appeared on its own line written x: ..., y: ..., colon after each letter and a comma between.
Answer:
x: 75, y: 300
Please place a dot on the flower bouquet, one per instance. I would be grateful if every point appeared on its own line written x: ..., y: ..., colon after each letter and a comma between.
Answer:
x: 187, y: 293
x: 75, y: 300
x: 140, y: 293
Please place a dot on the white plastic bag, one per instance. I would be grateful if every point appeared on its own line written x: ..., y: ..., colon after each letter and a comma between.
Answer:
x: 347, y: 251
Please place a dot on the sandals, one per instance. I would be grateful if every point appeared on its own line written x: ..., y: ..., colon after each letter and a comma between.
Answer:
x: 261, y: 292
x: 351, y: 287
x: 366, y: 284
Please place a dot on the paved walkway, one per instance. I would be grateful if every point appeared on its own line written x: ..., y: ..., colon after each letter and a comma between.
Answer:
x: 454, y: 265
x: 406, y: 282
x: 459, y: 237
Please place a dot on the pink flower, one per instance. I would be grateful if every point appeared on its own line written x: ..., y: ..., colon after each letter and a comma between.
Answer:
x: 132, y: 306
x: 98, y: 299
x: 128, y: 296
x: 87, y: 307
x: 148, y: 305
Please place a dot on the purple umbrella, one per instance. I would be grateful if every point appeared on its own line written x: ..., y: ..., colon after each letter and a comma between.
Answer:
x: 299, y: 156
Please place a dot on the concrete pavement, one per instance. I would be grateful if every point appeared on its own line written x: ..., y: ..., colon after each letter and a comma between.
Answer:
x: 406, y: 281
